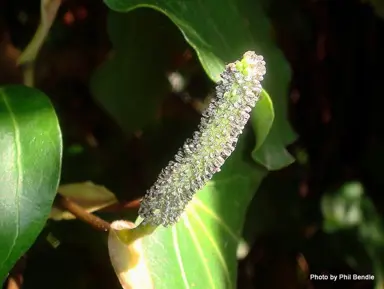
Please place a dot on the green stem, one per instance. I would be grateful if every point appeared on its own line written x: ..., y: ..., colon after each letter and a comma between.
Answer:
x: 131, y: 235
x: 49, y: 10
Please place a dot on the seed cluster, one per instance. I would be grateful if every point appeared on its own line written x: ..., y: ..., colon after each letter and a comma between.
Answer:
x: 203, y: 155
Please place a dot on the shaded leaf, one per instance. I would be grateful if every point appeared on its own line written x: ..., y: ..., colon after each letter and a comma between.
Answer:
x: 132, y: 84
x: 272, y: 154
x: 278, y: 78
x: 31, y: 149
x: 222, y: 35
x: 200, y: 250
x: 89, y: 196
x: 269, y: 150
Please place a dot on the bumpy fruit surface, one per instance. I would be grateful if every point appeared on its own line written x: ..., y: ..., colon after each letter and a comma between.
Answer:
x: 203, y: 155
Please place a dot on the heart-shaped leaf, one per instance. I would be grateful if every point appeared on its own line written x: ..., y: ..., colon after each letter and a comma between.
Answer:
x: 30, y: 149
x: 221, y: 32
x: 200, y: 250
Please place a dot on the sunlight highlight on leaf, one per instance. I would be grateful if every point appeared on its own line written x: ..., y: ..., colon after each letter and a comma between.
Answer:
x: 200, y: 205
x: 30, y: 157
x: 179, y: 258
x: 203, y: 257
x: 195, y: 215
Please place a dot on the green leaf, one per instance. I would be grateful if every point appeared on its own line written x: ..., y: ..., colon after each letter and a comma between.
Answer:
x: 272, y: 154
x: 222, y: 35
x: 89, y: 196
x: 269, y: 150
x: 200, y: 250
x: 132, y: 84
x: 278, y: 78
x: 262, y: 118
x: 31, y: 150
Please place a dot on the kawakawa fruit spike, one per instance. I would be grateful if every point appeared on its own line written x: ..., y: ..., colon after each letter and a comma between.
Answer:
x: 202, y: 156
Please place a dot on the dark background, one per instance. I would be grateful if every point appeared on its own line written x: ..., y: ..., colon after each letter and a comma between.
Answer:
x: 336, y: 100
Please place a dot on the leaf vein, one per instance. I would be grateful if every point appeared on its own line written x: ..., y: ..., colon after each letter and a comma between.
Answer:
x: 178, y: 256
x: 199, y: 250
x: 198, y: 203
x: 19, y: 169
x: 195, y: 215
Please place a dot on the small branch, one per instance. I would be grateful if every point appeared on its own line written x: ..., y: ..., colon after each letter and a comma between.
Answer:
x: 48, y: 11
x: 119, y: 207
x: 29, y: 74
x: 82, y: 214
x: 133, y: 234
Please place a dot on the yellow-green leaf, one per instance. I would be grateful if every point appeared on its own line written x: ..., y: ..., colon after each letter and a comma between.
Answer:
x: 89, y: 196
x: 200, y: 250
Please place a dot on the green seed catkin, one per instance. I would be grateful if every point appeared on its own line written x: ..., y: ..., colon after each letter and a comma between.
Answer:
x: 202, y: 156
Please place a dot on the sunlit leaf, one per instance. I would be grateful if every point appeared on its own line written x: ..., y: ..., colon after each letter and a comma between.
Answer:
x: 30, y: 150
x: 89, y: 196
x: 200, y: 250
x: 220, y: 36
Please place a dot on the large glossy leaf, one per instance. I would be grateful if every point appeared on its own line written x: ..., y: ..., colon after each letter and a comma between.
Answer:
x: 220, y: 32
x: 200, y: 250
x: 30, y: 162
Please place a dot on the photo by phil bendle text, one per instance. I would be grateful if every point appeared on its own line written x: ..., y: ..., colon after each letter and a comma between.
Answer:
x: 341, y: 277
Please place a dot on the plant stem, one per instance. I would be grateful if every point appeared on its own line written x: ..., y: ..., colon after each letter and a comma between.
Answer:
x: 136, y: 233
x: 29, y: 74
x: 118, y: 207
x: 82, y: 214
x: 48, y: 12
